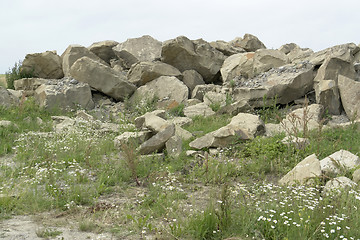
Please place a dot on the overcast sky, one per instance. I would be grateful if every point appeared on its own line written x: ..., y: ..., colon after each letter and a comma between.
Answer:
x: 30, y: 26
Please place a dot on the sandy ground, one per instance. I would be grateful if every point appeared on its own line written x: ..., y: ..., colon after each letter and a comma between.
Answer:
x: 24, y: 227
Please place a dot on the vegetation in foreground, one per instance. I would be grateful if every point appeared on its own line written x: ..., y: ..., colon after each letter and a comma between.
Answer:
x: 80, y: 175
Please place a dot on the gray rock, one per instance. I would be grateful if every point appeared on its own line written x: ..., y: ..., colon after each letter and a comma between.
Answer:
x: 142, y: 49
x: 157, y: 142
x: 175, y: 90
x: 249, y: 42
x: 43, y: 65
x: 299, y: 54
x: 144, y: 72
x: 338, y: 184
x: 333, y: 67
x: 104, y: 50
x: 265, y: 59
x: 327, y: 94
x: 181, y: 121
x: 297, y: 142
x: 155, y: 123
x: 139, y: 121
x: 338, y: 162
x: 133, y: 137
x: 303, y: 171
x: 287, y: 48
x: 75, y: 52
x: 350, y: 98
x: 345, y: 52
x: 226, y: 48
x: 200, y: 109
x: 191, y: 79
x: 200, y: 90
x: 215, y: 98
x: 7, y: 99
x: 356, y: 176
x: 241, y: 64
x: 102, y: 78
x: 174, y: 146
x: 198, y: 55
x: 249, y: 123
x: 65, y: 95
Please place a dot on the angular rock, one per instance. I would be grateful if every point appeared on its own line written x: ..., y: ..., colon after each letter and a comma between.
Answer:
x: 303, y: 119
x: 333, y: 67
x: 142, y: 49
x: 226, y: 48
x: 350, y: 98
x: 235, y: 108
x: 7, y: 99
x: 64, y: 95
x: 200, y: 109
x: 287, y: 48
x: 184, y: 134
x: 104, y: 50
x: 155, y: 123
x: 249, y: 42
x: 344, y: 51
x: 338, y: 183
x: 299, y: 54
x: 102, y: 78
x: 139, y: 121
x: 185, y: 54
x: 175, y: 90
x: 200, y: 90
x: 43, y: 65
x: 135, y: 137
x: 236, y: 65
x: 157, y: 142
x: 191, y: 79
x: 215, y: 98
x: 303, y: 171
x: 265, y: 59
x: 251, y: 124
x: 286, y: 83
x: 75, y: 52
x: 327, y: 94
x: 174, y: 146
x: 181, y: 121
x: 338, y: 162
x: 29, y: 84
x: 144, y: 72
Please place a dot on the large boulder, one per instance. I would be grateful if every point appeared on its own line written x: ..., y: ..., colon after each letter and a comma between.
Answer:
x: 142, y: 49
x: 102, y: 78
x: 249, y: 65
x: 65, y: 94
x: 136, y: 138
x: 226, y: 48
x: 139, y: 121
x: 339, y: 162
x: 350, y: 98
x: 175, y: 90
x: 157, y: 142
x: 287, y: 48
x: 303, y: 171
x: 265, y: 59
x: 332, y: 67
x: 242, y: 127
x: 249, y: 42
x: 236, y: 65
x: 299, y: 54
x: 104, y: 50
x: 29, y: 85
x: 338, y: 184
x: 327, y: 94
x: 200, y: 109
x: 144, y: 72
x: 191, y: 79
x: 74, y: 52
x: 286, y: 84
x: 43, y: 65
x: 198, y: 55
x: 7, y: 99
x: 200, y: 90
x: 344, y: 51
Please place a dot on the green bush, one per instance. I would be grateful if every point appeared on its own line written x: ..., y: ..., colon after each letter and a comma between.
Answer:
x: 15, y: 73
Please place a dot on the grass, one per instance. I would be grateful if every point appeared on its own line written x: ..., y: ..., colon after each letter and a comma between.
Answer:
x: 80, y: 175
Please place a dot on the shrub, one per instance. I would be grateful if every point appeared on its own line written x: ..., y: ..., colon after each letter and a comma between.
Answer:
x: 15, y: 73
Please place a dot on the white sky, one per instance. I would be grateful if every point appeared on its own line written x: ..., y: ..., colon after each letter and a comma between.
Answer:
x: 30, y: 26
